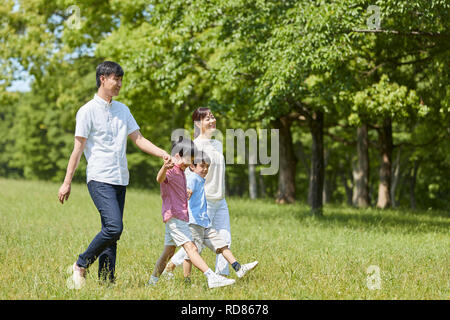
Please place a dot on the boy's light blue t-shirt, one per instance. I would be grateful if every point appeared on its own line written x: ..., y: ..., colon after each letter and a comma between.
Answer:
x: 197, y: 203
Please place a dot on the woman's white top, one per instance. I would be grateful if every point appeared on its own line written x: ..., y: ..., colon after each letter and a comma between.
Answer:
x: 215, y: 179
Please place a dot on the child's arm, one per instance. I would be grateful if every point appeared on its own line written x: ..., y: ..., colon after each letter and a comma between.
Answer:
x: 162, y: 172
x: 190, y: 184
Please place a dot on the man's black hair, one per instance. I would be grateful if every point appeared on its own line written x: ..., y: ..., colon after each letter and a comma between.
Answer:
x: 183, y: 146
x: 107, y: 68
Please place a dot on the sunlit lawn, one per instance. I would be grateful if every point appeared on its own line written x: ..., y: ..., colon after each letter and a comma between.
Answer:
x: 300, y: 257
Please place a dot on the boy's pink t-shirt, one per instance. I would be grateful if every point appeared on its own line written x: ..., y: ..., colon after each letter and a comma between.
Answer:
x: 174, y: 195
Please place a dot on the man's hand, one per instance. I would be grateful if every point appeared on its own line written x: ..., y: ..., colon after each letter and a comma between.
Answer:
x: 189, y: 193
x: 78, y: 147
x: 64, y: 192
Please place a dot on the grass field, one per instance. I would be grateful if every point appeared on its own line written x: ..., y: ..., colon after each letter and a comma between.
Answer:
x: 300, y: 257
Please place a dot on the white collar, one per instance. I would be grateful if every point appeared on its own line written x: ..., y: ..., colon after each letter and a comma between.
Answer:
x: 102, y: 102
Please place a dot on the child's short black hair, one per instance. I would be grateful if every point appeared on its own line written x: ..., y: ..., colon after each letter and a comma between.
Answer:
x: 107, y: 68
x: 201, y: 157
x: 183, y: 146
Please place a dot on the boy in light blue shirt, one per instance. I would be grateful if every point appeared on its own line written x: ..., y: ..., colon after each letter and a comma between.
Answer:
x: 200, y: 224
x: 197, y: 205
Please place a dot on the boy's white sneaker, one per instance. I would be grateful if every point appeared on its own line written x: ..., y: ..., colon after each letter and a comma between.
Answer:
x: 78, y: 276
x: 215, y: 281
x: 167, y: 275
x: 153, y: 280
x: 246, y: 268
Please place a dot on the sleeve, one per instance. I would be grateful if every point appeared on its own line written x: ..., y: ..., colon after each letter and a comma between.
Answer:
x: 169, y: 175
x: 218, y: 146
x: 191, y: 183
x: 83, y: 123
x: 187, y: 173
x: 132, y: 125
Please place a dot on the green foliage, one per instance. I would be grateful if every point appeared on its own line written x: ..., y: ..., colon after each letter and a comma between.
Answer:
x: 249, y: 61
x: 45, y: 120
x: 8, y: 104
x: 385, y: 100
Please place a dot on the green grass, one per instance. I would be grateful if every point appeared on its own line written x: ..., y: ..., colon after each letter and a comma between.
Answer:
x: 301, y: 257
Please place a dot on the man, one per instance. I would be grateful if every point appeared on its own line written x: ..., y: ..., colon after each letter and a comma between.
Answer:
x: 102, y: 128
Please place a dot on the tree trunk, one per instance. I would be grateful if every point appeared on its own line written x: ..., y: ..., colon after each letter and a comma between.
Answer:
x: 348, y: 189
x: 395, y: 178
x: 288, y: 162
x: 354, y: 176
x: 300, y: 154
x: 386, y: 146
x: 252, y: 189
x: 412, y: 185
x: 326, y: 194
x: 361, y: 174
x: 317, y: 164
x: 251, y: 156
x: 262, y: 186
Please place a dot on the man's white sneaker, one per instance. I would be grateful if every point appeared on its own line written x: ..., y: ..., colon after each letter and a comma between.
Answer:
x: 246, y: 268
x: 216, y: 281
x: 78, y: 276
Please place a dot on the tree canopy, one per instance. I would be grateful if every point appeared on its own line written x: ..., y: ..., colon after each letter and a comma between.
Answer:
x: 344, y: 95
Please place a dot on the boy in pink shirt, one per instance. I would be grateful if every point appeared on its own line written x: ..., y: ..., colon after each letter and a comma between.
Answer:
x: 175, y: 214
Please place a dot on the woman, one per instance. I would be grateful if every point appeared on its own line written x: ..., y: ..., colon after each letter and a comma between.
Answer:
x: 204, y: 129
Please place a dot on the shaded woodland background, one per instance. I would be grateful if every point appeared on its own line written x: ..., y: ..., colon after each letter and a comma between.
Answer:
x: 363, y: 113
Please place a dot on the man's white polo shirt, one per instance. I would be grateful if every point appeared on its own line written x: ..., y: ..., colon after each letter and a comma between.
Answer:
x: 106, y: 127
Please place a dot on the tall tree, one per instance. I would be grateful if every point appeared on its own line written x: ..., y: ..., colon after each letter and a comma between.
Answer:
x: 385, y: 102
x: 265, y: 51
